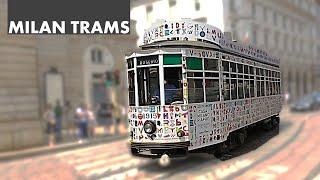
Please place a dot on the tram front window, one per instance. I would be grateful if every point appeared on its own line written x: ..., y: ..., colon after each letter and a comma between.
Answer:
x: 131, y: 88
x: 173, y: 85
x: 148, y: 86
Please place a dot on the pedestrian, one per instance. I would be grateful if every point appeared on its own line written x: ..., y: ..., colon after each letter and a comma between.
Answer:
x: 91, y: 121
x: 82, y: 120
x: 49, y: 116
x: 70, y: 120
x: 104, y: 115
x: 58, y: 111
x: 117, y: 118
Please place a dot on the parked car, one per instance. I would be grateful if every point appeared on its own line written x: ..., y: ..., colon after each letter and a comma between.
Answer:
x: 307, y: 103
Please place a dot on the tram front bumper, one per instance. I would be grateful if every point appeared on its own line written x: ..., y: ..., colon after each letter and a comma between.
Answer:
x: 156, y: 150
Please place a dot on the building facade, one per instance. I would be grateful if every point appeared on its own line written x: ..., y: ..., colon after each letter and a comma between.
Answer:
x: 286, y: 28
x: 37, y: 70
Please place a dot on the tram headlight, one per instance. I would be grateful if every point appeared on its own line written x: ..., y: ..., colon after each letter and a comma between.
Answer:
x: 149, y: 127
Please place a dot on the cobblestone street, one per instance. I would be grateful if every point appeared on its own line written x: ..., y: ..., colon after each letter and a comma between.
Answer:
x: 281, y: 157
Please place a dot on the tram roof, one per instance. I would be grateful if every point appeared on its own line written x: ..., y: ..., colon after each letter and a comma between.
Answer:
x: 177, y: 46
x: 163, y: 33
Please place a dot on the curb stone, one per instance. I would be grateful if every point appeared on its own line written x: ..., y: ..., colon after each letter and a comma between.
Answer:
x: 9, y: 156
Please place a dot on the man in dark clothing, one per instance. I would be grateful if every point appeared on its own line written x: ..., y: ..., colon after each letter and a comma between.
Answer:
x: 58, y: 111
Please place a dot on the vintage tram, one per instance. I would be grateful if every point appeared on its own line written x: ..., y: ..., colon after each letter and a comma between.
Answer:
x: 192, y: 88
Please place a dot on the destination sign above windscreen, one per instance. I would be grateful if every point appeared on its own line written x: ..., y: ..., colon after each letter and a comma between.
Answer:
x: 147, y: 60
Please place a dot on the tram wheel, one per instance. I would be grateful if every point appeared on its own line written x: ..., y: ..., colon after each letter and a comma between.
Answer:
x: 241, y: 137
x: 220, y: 149
x: 268, y: 125
x: 275, y: 122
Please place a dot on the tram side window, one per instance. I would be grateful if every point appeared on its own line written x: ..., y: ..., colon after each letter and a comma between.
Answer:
x: 276, y: 88
x: 148, y: 86
x: 240, y: 89
x: 246, y: 70
x: 195, y: 91
x: 194, y: 63
x: 240, y: 81
x: 226, y: 89
x: 252, y: 88
x: 211, y: 64
x: 233, y: 67
x: 246, y: 88
x: 234, y: 89
x: 131, y: 88
x: 262, y: 88
x: 212, y: 90
x: 262, y: 72
x: 269, y: 83
x: 173, y: 85
x: 225, y: 66
x: 240, y: 68
x: 267, y: 87
x: 258, y: 88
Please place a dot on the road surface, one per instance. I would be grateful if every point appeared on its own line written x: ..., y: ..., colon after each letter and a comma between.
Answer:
x: 292, y: 154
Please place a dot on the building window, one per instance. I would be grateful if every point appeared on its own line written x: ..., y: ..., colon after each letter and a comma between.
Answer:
x: 301, y: 27
x: 96, y: 56
x: 266, y: 38
x: 254, y: 36
x: 265, y: 14
x: 275, y: 18
x: 254, y: 10
x: 285, y: 42
x: 232, y: 5
x: 172, y: 3
x: 284, y: 22
x: 276, y: 39
x: 149, y: 10
x: 197, y: 5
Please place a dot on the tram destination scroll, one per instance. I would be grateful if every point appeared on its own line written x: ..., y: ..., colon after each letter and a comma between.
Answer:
x: 147, y: 60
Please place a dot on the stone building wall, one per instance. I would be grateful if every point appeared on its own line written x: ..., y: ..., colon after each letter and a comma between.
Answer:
x: 19, y: 102
x: 24, y: 61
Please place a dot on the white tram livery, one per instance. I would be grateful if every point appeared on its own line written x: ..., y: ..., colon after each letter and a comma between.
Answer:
x: 193, y: 89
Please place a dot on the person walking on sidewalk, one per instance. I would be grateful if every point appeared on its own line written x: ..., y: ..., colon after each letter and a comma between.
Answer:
x: 82, y: 118
x: 91, y: 121
x: 58, y: 111
x: 49, y: 116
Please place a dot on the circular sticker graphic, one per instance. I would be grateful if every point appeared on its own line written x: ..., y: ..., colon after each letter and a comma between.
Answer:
x: 202, y: 33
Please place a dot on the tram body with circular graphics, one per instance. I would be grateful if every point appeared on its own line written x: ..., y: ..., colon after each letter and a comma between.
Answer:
x: 193, y: 89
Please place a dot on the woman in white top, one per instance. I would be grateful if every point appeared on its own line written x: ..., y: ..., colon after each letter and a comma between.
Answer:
x: 49, y: 116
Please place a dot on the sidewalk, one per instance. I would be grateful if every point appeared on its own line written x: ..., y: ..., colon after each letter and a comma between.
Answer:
x: 69, y: 141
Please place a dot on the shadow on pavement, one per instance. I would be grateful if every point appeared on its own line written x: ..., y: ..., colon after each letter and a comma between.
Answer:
x: 256, y: 138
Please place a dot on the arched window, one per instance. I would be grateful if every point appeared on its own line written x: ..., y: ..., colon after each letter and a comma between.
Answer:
x: 97, y: 56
